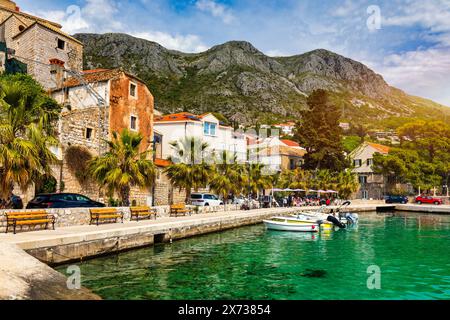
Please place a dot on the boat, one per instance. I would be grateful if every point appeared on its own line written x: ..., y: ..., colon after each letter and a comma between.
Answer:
x: 292, y: 224
x: 313, y: 221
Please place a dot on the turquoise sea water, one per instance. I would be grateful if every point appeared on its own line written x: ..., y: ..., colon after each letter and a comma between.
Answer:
x: 252, y: 263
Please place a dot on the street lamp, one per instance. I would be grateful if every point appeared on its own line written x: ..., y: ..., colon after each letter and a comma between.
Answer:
x: 156, y: 139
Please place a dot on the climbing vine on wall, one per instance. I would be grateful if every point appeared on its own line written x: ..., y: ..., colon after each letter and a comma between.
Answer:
x: 77, y: 158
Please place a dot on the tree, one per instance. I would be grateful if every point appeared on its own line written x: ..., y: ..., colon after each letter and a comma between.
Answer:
x: 228, y: 176
x: 319, y: 132
x: 427, y: 137
x: 256, y: 179
x: 323, y: 180
x: 123, y: 166
x: 346, y: 183
x: 295, y: 179
x: 189, y: 170
x: 27, y: 131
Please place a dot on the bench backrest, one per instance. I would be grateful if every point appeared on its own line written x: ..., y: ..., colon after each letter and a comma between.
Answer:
x: 26, y: 214
x: 103, y: 211
x: 140, y: 209
x: 178, y: 206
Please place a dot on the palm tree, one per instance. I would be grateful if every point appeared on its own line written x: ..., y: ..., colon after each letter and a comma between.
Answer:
x: 347, y: 183
x: 323, y: 179
x: 296, y: 179
x: 123, y: 166
x: 228, y: 176
x: 256, y: 179
x: 27, y: 117
x: 189, y: 170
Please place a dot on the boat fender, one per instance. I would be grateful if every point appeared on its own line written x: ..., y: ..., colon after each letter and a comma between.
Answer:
x: 336, y: 222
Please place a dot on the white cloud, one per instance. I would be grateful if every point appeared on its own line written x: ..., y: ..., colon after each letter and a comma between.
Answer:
x: 184, y: 43
x: 217, y: 10
x: 95, y: 16
x: 433, y: 15
x: 422, y: 72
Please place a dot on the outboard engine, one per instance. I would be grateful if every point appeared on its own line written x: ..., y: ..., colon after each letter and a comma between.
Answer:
x: 336, y: 222
x: 352, y: 218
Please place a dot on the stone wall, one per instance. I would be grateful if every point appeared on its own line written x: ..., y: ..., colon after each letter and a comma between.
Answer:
x: 165, y: 193
x: 40, y: 44
x: 81, y: 216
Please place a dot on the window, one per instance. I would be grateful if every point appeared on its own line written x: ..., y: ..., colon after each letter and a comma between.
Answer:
x: 89, y: 133
x: 21, y: 28
x: 209, y: 129
x: 81, y: 198
x: 291, y: 164
x: 133, y: 89
x: 362, y: 179
x: 357, y: 162
x: 133, y: 123
x: 369, y: 162
x: 61, y: 44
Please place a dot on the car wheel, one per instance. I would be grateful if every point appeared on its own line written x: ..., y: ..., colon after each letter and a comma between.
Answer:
x: 403, y: 202
x: 206, y: 204
x: 436, y: 203
x: 419, y: 202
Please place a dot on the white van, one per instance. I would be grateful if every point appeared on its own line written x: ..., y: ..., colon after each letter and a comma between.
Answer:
x: 205, y: 200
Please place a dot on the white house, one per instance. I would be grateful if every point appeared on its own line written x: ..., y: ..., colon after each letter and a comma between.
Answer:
x: 286, y: 128
x: 277, y: 155
x: 372, y: 185
x: 207, y: 127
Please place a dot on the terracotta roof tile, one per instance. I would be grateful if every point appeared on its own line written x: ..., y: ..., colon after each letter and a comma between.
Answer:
x: 94, y: 76
x: 290, y: 143
x: 379, y: 147
x: 162, y: 162
x: 177, y: 117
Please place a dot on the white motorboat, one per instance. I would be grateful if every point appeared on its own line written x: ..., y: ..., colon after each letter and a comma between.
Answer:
x: 312, y: 221
x: 298, y: 224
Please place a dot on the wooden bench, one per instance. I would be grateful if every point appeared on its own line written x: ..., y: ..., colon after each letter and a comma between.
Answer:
x: 142, y: 213
x: 179, y: 209
x: 105, y: 215
x: 29, y: 218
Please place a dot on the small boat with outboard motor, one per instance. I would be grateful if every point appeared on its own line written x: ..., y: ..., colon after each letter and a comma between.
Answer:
x: 313, y: 221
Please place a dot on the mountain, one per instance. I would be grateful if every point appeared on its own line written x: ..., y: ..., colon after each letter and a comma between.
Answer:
x: 247, y: 86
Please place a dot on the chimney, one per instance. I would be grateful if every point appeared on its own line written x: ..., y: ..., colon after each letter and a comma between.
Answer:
x: 57, y: 72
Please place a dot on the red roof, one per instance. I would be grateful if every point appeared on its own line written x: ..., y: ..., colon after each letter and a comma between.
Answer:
x: 94, y: 71
x: 162, y: 162
x: 379, y: 147
x: 290, y: 143
x: 177, y: 117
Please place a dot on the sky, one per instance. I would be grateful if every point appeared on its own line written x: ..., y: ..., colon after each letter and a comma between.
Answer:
x: 406, y: 41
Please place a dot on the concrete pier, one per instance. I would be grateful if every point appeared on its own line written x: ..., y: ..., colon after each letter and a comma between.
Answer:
x: 24, y: 277
x: 423, y: 208
x: 73, y: 243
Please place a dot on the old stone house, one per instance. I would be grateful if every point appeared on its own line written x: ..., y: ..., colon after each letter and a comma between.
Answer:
x: 372, y: 185
x: 38, y: 43
x: 121, y: 101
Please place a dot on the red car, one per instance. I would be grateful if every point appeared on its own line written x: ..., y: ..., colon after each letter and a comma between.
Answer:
x: 431, y: 200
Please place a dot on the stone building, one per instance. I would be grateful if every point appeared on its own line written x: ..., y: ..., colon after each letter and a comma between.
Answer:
x: 86, y: 122
x: 372, y: 186
x: 38, y: 43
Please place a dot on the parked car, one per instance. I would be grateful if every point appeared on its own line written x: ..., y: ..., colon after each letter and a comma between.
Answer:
x: 396, y: 199
x: 62, y: 200
x: 239, y: 200
x: 430, y: 200
x: 205, y: 200
x: 14, y: 202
